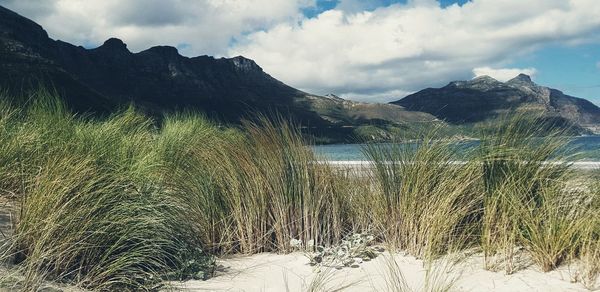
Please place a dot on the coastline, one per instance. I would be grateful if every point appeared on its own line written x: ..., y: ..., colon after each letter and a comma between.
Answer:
x: 357, y: 164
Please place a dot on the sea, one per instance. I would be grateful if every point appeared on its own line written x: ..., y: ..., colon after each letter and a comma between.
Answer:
x: 584, y: 148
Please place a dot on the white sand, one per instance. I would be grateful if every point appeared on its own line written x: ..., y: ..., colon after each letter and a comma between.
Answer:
x: 271, y: 272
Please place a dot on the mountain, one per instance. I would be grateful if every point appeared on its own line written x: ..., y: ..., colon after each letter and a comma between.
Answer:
x: 160, y: 80
x: 485, y: 97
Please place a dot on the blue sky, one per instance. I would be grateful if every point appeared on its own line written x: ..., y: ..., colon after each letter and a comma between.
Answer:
x: 367, y: 50
x: 323, y: 5
x: 574, y: 69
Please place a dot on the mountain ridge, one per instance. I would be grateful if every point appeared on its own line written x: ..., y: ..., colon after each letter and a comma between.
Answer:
x: 484, y: 97
x: 159, y: 80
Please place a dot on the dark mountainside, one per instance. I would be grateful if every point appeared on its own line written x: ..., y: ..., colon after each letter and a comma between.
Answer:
x: 159, y: 80
x: 485, y: 97
x: 156, y: 79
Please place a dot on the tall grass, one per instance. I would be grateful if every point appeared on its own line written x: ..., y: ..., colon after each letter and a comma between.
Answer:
x: 424, y: 201
x: 515, y: 192
x: 301, y: 197
x: 124, y: 202
x: 255, y: 191
x: 189, y: 147
x: 118, y: 203
x: 91, y: 210
x: 78, y: 222
x: 525, y: 178
x: 589, y: 252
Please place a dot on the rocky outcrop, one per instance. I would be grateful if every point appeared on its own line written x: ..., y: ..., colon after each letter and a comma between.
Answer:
x: 485, y: 97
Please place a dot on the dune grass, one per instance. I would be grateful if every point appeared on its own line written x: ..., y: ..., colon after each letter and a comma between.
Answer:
x: 125, y: 202
x: 91, y: 209
x: 526, y: 201
x: 424, y: 202
x: 121, y: 203
x: 589, y: 245
x: 514, y: 192
x: 253, y: 192
x: 440, y: 275
x: 298, y: 195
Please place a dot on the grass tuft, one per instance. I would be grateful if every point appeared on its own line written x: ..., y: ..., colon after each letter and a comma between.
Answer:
x: 424, y: 200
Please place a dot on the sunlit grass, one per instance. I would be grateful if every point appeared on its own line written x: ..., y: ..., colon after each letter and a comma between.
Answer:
x: 91, y: 209
x: 125, y: 202
x: 526, y: 202
x: 424, y: 201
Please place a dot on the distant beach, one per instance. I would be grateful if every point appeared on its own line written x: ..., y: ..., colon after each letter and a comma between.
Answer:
x: 583, y: 148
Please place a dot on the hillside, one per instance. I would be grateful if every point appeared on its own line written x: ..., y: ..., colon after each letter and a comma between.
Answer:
x: 484, y: 97
x: 159, y: 80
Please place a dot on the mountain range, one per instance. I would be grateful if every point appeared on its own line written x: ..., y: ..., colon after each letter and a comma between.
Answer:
x: 483, y: 97
x: 159, y: 80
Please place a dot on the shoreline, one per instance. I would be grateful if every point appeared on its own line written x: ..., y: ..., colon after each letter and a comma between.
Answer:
x: 580, y: 165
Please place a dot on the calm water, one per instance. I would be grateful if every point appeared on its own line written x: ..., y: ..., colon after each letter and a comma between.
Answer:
x: 586, y: 148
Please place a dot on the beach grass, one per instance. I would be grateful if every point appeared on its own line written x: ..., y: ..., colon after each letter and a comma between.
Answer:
x: 527, y: 202
x: 589, y: 239
x: 440, y: 275
x: 424, y: 203
x: 125, y: 202
x: 255, y: 190
x: 91, y: 208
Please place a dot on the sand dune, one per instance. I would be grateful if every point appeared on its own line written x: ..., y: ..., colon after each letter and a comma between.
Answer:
x: 271, y: 272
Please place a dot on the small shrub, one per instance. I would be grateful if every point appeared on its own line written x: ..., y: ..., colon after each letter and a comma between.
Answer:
x: 352, y: 251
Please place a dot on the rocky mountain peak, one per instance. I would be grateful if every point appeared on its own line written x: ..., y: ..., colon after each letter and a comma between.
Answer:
x: 244, y: 64
x: 165, y: 52
x: 114, y: 45
x: 483, y: 97
x: 521, y: 79
x: 483, y: 82
x: 484, y: 78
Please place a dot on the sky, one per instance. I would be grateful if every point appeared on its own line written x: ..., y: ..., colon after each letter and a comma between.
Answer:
x: 366, y: 50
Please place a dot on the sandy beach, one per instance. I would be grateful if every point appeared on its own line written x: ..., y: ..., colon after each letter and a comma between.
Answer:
x: 272, y: 272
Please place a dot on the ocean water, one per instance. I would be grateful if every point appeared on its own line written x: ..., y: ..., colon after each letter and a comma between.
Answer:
x: 582, y: 148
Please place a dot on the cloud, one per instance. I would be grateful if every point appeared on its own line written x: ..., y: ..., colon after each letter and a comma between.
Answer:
x: 406, y: 47
x: 354, y: 6
x: 150, y: 13
x: 361, y: 49
x: 377, y: 96
x: 503, y: 74
x: 32, y: 8
x: 598, y: 65
x: 208, y: 26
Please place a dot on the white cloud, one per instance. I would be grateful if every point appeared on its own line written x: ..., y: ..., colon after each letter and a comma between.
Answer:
x: 205, y: 26
x: 598, y: 65
x: 378, y: 96
x: 416, y: 45
x: 503, y: 74
x: 357, y: 50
